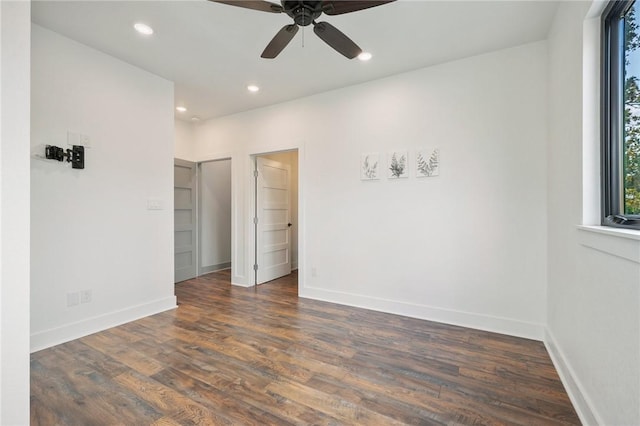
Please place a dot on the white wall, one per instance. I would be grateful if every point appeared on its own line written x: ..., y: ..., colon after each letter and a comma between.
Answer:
x: 91, y: 229
x: 15, y: 41
x: 594, y: 274
x: 291, y: 158
x: 215, y: 216
x: 467, y: 247
x: 183, y: 143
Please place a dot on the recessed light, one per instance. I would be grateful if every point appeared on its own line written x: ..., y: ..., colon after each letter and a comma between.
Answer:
x: 253, y: 88
x: 195, y: 118
x: 143, y: 28
x: 365, y: 56
x: 181, y: 109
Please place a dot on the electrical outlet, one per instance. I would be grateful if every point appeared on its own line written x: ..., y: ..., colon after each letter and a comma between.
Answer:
x: 73, y: 299
x: 85, y: 296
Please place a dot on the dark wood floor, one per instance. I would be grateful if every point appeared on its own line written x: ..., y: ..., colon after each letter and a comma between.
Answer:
x: 231, y: 355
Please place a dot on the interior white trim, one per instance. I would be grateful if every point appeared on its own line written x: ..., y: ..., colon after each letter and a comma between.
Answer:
x: 215, y: 156
x: 448, y: 316
x: 616, y: 242
x: 76, y: 330
x: 242, y: 284
x: 214, y: 268
x: 614, y: 232
x: 247, y: 217
x: 579, y: 399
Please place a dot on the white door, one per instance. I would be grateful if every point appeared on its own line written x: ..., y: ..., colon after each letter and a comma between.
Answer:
x: 273, y: 242
x: 184, y: 195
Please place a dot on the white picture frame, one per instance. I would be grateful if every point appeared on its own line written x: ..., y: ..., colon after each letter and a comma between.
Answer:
x: 398, y: 165
x: 370, y: 166
x: 428, y: 162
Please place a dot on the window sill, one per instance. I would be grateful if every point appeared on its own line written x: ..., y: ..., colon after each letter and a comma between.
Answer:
x: 615, y: 232
x: 617, y: 242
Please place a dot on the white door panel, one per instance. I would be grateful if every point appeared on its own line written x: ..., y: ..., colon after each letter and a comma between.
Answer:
x: 184, y: 220
x: 273, y: 235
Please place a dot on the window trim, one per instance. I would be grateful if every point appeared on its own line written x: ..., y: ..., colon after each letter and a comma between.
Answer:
x: 612, y: 133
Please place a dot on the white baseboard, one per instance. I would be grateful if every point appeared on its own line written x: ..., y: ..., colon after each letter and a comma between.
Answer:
x: 214, y: 268
x: 55, y: 336
x: 571, y: 383
x: 464, y: 319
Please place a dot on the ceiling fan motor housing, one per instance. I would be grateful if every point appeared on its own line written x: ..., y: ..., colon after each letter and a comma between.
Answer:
x: 303, y: 12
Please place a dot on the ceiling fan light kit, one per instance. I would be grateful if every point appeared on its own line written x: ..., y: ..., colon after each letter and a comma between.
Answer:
x: 304, y: 13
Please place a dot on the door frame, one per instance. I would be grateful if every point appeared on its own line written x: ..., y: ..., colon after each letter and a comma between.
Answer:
x: 199, y: 209
x: 252, y: 248
x: 237, y: 267
x: 242, y: 182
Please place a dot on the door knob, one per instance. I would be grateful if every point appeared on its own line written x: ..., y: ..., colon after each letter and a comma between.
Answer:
x: 289, y: 224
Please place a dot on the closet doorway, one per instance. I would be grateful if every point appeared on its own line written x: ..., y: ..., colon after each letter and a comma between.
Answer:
x: 214, y: 215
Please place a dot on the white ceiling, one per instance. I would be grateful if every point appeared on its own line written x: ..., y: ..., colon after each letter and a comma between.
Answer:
x: 211, y: 51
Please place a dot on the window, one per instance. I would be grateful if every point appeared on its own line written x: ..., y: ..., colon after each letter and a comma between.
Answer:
x: 621, y: 115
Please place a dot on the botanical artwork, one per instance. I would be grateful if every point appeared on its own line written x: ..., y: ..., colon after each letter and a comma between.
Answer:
x: 398, y: 165
x: 370, y: 166
x: 428, y: 162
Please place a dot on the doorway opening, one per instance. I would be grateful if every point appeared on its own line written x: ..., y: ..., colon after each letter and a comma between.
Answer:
x: 275, y: 209
x: 202, y: 217
x: 214, y: 215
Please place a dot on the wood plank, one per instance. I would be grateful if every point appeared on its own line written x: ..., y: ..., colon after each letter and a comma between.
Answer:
x: 79, y: 395
x: 122, y: 352
x: 238, y: 411
x: 42, y: 414
x: 165, y: 399
x: 342, y: 410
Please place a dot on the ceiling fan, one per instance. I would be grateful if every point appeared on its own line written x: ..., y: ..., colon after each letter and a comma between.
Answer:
x: 305, y: 12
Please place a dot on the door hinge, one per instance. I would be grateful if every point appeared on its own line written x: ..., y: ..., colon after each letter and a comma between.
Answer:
x: 255, y: 220
x: 255, y: 267
x: 255, y: 173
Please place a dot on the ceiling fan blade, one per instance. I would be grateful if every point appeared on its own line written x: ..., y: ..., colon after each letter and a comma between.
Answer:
x: 336, y: 39
x: 338, y: 7
x: 264, y: 6
x: 280, y: 41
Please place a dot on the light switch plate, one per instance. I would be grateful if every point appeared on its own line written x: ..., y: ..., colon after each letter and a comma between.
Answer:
x: 73, y: 299
x: 78, y: 139
x: 153, y: 204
